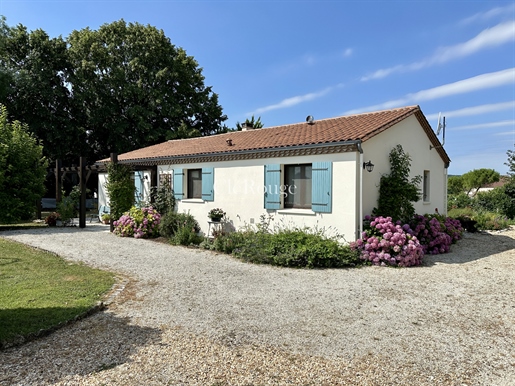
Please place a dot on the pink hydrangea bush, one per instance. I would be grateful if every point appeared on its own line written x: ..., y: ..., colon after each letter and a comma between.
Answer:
x: 138, y: 223
x: 436, y: 233
x: 386, y: 243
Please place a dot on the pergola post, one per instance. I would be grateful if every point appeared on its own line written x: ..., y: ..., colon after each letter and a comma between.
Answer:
x: 82, y: 182
x: 114, y: 160
x: 58, y: 182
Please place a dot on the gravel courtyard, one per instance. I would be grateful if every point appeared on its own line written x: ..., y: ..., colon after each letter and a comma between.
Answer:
x: 193, y: 317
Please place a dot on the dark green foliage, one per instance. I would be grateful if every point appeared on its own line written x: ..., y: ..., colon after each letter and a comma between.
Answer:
x: 180, y: 228
x: 115, y: 89
x: 496, y: 200
x: 397, y: 191
x: 66, y: 209
x: 22, y: 171
x: 34, y: 68
x: 455, y: 185
x: 287, y: 248
x: 163, y: 200
x: 120, y: 188
x: 137, y: 88
x: 461, y: 200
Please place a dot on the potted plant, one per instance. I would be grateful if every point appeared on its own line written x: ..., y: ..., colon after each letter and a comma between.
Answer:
x: 106, y: 218
x: 216, y: 214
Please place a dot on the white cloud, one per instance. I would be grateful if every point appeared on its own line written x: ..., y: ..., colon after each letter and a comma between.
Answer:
x: 476, y: 83
x: 487, y: 125
x: 490, y: 37
x: 476, y: 110
x: 289, y: 102
x: 508, y: 132
x: 488, y: 15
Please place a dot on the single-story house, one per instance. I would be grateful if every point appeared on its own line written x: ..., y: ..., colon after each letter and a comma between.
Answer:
x: 317, y: 173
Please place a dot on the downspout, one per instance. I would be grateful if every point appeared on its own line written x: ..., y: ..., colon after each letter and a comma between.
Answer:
x: 359, y: 228
x: 445, y: 185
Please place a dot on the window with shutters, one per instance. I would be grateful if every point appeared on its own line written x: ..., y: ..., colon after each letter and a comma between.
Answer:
x: 297, y: 186
x: 194, y: 184
x: 194, y: 189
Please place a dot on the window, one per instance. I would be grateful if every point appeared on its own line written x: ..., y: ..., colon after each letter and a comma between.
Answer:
x: 297, y: 186
x: 425, y: 188
x: 194, y: 183
x: 307, y: 186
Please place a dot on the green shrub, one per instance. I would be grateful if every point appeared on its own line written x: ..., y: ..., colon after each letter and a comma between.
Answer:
x: 287, y: 247
x: 484, y: 220
x: 458, y: 201
x: 66, y: 209
x: 495, y: 200
x: 491, y: 221
x: 180, y: 228
x: 172, y: 221
x: 397, y: 192
x: 120, y: 188
x: 186, y: 236
x: 22, y: 170
x: 162, y: 198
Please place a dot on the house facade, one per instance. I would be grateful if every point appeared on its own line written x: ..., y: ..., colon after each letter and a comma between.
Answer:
x: 309, y: 174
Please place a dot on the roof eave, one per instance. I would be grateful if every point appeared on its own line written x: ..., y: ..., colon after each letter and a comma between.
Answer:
x: 161, y: 160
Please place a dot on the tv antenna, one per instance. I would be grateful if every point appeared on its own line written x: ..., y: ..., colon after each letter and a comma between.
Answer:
x: 439, y: 127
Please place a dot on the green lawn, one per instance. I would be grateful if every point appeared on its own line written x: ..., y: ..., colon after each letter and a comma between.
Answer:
x: 39, y: 290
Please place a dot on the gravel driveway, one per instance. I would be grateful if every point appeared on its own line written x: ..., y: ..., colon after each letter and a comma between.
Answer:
x: 194, y: 317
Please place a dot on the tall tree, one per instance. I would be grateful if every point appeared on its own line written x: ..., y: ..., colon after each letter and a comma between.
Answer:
x: 252, y: 122
x: 22, y: 170
x: 34, y: 89
x: 476, y: 178
x: 455, y: 185
x: 137, y: 88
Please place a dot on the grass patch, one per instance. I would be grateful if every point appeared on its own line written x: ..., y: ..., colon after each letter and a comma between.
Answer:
x: 39, y: 291
x: 21, y: 226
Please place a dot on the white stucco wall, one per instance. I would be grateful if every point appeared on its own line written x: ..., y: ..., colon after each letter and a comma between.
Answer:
x: 239, y: 191
x: 239, y: 185
x: 415, y: 142
x: 103, y: 197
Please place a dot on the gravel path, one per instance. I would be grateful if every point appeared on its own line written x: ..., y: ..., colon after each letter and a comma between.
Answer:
x: 193, y: 317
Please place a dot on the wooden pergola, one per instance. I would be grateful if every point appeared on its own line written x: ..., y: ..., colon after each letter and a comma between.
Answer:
x: 84, y: 171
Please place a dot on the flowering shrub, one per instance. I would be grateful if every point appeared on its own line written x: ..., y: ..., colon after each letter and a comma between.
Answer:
x: 387, y: 243
x: 138, y: 223
x: 436, y: 233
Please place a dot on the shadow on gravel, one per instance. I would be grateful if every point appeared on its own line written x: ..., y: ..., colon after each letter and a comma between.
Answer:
x: 473, y: 246
x: 94, y: 344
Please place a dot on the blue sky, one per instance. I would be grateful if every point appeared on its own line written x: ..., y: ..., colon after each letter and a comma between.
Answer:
x: 284, y: 60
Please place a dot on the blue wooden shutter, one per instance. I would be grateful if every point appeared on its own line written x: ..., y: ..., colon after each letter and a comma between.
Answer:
x: 178, y: 190
x: 208, y: 192
x: 138, y: 182
x: 321, y: 187
x: 272, y: 186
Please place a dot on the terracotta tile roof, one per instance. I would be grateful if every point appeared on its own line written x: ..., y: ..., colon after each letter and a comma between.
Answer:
x: 325, y: 131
